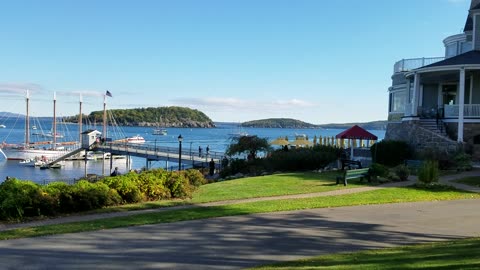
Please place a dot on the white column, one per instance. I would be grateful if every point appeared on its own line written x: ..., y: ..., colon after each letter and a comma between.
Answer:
x: 408, y: 97
x: 439, y: 96
x: 471, y: 90
x: 416, y: 93
x: 461, y: 105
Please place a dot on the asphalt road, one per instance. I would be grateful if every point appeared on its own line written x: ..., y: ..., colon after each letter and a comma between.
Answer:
x: 245, y: 241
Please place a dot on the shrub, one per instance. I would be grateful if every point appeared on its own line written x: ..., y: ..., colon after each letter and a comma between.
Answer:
x: 126, y: 187
x: 195, y: 177
x: 402, y: 172
x: 390, y: 153
x: 152, y: 184
x: 463, y: 162
x: 17, y: 199
x: 179, y: 186
x: 429, y: 173
x: 378, y: 170
x: 302, y: 159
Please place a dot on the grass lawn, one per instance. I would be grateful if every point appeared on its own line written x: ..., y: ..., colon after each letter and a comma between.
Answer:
x: 252, y: 187
x: 271, y: 185
x: 471, y: 181
x: 460, y: 254
x: 382, y: 196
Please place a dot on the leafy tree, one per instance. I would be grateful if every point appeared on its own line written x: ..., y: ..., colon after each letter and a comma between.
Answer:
x: 248, y: 144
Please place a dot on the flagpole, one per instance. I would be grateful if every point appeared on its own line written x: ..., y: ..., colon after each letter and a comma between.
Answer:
x: 80, y: 121
x: 104, y: 129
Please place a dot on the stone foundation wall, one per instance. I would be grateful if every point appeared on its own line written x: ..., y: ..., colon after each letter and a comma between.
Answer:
x: 470, y: 130
x: 419, y: 138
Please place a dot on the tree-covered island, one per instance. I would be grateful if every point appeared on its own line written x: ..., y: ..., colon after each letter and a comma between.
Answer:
x: 278, y: 123
x: 293, y: 123
x: 151, y: 117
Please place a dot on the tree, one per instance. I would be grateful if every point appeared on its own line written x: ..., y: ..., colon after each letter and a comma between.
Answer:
x: 248, y: 144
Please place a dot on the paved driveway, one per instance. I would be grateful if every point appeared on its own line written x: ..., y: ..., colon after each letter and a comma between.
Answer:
x: 243, y: 241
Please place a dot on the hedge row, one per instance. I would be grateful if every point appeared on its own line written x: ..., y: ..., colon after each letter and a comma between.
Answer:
x: 20, y: 199
x: 300, y: 159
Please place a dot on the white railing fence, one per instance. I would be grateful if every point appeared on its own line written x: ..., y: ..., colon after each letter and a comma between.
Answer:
x: 470, y: 111
x: 410, y: 64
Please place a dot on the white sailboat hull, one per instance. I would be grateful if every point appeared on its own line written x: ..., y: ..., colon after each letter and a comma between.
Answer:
x: 21, y: 153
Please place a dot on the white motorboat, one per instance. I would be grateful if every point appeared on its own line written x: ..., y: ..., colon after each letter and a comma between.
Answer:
x: 2, y: 126
x: 159, y: 131
x: 136, y: 139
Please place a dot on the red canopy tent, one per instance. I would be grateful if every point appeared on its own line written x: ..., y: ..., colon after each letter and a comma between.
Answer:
x: 355, y: 133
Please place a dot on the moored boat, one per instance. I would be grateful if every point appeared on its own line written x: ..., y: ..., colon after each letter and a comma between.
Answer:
x: 159, y: 131
x: 136, y: 139
x: 31, y: 150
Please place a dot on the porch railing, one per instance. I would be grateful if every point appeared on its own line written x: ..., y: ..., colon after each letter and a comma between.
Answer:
x: 470, y: 111
x: 409, y: 64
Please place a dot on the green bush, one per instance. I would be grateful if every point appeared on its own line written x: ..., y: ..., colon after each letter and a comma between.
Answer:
x: 429, y: 172
x: 463, y: 162
x: 17, y: 199
x: 195, y: 177
x: 378, y: 170
x: 126, y: 187
x: 302, y: 159
x: 152, y: 185
x: 402, y: 172
x: 390, y: 153
x: 179, y: 186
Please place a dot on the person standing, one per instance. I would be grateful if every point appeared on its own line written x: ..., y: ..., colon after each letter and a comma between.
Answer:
x: 212, y: 167
x: 199, y: 151
x: 208, y: 149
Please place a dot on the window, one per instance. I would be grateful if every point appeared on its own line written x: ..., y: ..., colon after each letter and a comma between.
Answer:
x: 397, y: 101
x: 451, y: 50
x: 466, y: 47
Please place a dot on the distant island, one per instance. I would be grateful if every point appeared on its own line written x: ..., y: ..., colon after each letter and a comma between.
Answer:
x: 293, y: 123
x: 278, y: 123
x: 152, y: 117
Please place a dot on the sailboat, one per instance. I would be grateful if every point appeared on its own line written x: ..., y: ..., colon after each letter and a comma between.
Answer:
x: 159, y: 131
x: 31, y: 150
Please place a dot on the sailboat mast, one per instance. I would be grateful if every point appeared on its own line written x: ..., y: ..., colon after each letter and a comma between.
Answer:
x: 27, y: 121
x: 105, y: 116
x: 80, y: 121
x: 54, y: 120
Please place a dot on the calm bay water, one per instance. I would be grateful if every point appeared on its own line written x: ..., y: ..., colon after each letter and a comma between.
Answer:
x: 216, y: 138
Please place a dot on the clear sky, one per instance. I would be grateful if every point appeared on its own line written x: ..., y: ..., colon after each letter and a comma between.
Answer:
x: 319, y: 61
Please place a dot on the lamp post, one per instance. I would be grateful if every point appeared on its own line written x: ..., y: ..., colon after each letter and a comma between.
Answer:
x: 191, y: 157
x: 180, y: 139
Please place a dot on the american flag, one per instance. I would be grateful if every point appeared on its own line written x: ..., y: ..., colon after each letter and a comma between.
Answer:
x: 108, y: 94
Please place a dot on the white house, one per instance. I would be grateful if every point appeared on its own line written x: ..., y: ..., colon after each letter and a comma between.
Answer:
x: 435, y: 102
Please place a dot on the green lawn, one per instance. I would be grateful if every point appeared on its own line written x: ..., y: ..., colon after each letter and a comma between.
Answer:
x: 389, y: 195
x: 271, y: 185
x: 471, y: 181
x: 461, y: 254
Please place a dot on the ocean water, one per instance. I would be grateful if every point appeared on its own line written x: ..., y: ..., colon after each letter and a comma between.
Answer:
x: 216, y: 138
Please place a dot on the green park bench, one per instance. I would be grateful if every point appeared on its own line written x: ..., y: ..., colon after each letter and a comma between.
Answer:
x: 352, y: 174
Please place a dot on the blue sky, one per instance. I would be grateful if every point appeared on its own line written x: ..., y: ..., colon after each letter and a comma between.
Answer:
x: 319, y: 61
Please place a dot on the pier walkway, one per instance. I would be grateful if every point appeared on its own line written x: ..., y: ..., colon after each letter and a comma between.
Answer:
x: 161, y: 153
